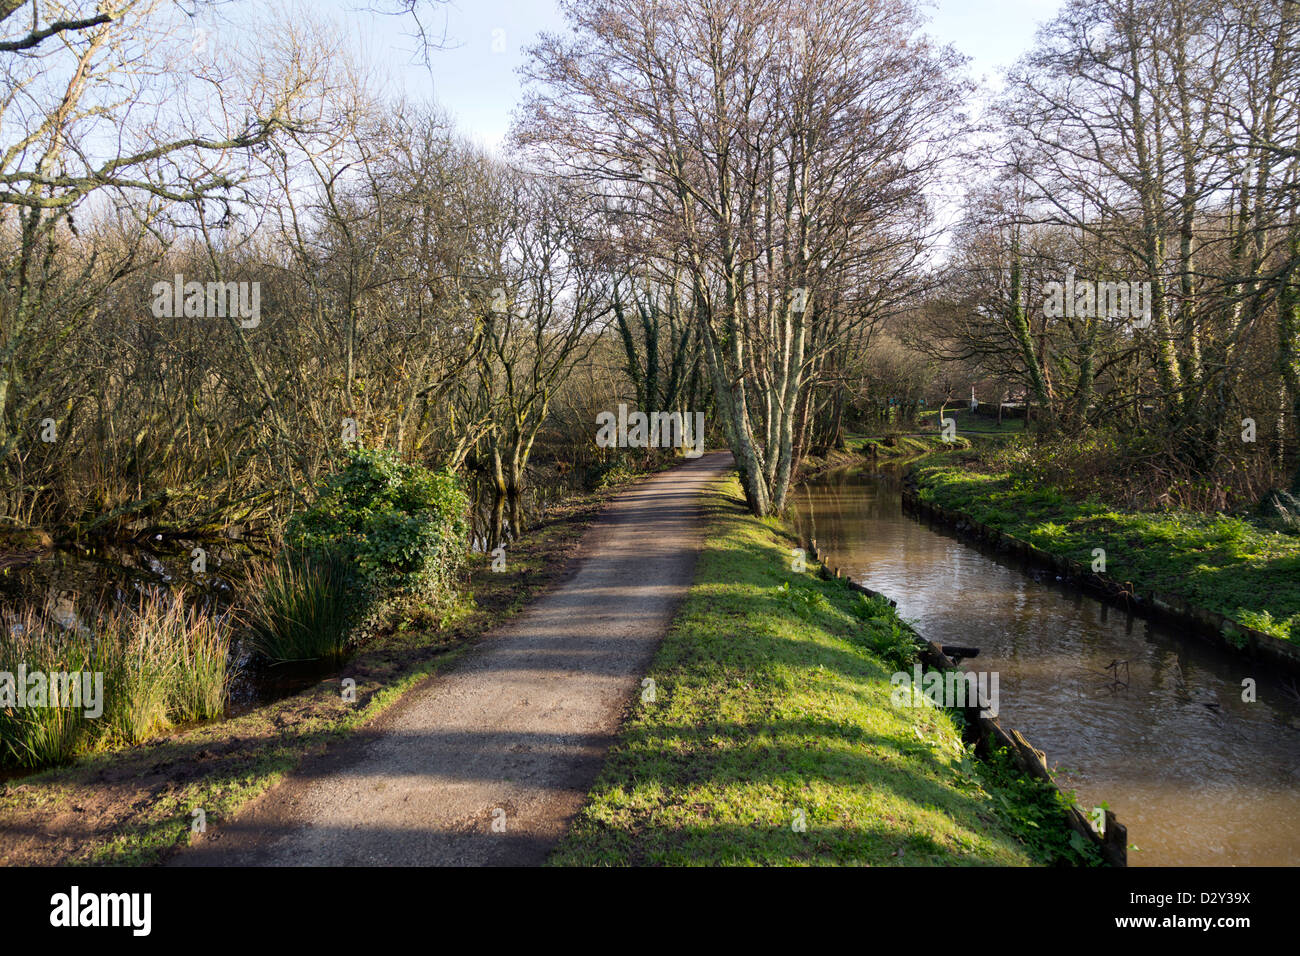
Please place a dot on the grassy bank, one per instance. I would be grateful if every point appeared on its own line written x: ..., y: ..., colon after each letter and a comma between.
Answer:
x: 861, y: 450
x: 770, y: 736
x: 1217, y: 562
x: 133, y: 805
x: 902, y: 447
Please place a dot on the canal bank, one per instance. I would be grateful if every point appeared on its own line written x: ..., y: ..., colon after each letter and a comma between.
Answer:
x: 1177, y: 568
x: 1134, y: 716
x: 943, y: 681
x: 768, y: 733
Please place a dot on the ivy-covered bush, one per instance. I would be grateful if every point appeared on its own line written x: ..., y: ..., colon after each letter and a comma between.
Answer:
x: 403, y: 527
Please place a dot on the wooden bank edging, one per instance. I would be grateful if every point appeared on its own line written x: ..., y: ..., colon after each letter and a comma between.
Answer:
x: 1173, y: 608
x: 1113, y: 844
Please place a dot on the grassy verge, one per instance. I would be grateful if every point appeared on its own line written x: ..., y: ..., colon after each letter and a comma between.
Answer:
x: 1217, y: 562
x: 903, y: 447
x: 971, y: 424
x: 771, y: 738
x: 859, y: 450
x: 132, y: 806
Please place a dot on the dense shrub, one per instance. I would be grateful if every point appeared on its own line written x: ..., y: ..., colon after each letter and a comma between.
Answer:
x: 614, y: 470
x: 403, y: 529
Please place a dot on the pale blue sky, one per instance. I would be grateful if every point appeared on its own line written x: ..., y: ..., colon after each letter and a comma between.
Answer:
x: 475, y: 78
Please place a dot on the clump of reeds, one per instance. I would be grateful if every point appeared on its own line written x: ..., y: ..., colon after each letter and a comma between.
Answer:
x: 160, y: 661
x: 166, y: 662
x: 303, y: 607
x: 31, y: 641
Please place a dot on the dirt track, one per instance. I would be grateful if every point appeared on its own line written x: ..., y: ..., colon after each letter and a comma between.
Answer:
x: 486, y: 763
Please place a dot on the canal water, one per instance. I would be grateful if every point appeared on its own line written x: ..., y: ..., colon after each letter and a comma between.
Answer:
x: 1129, y: 712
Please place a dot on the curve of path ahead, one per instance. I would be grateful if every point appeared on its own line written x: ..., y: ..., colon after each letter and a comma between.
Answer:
x: 486, y: 763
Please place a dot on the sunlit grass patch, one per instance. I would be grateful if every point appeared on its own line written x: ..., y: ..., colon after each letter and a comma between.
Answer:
x: 772, y: 738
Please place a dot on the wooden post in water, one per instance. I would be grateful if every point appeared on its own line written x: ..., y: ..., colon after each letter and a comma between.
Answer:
x: 1116, y: 841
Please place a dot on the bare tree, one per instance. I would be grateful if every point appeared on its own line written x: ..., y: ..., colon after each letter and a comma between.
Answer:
x: 783, y: 148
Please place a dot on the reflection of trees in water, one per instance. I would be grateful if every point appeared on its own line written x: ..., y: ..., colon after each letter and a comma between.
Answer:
x: 822, y: 508
x: 497, y: 518
x: 832, y: 507
x: 87, y: 583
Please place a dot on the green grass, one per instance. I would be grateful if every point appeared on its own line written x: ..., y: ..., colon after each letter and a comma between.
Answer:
x: 304, y: 607
x: 772, y: 708
x: 160, y: 662
x: 131, y: 805
x: 1217, y: 562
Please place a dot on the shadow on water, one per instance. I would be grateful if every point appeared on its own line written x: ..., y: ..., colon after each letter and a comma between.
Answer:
x: 1134, y: 713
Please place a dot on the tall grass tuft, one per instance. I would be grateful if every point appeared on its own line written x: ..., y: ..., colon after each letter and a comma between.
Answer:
x: 135, y: 684
x: 304, y: 607
x: 162, y: 662
x: 40, y: 736
x: 205, y: 674
x: 167, y: 662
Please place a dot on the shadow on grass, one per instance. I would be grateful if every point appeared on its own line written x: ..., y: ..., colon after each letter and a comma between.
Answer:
x: 769, y: 702
x: 722, y: 844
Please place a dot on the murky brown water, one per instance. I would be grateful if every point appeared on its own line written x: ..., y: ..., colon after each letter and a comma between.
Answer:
x: 1198, y: 776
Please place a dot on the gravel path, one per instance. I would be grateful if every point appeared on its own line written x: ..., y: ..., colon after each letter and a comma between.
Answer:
x: 487, y: 763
